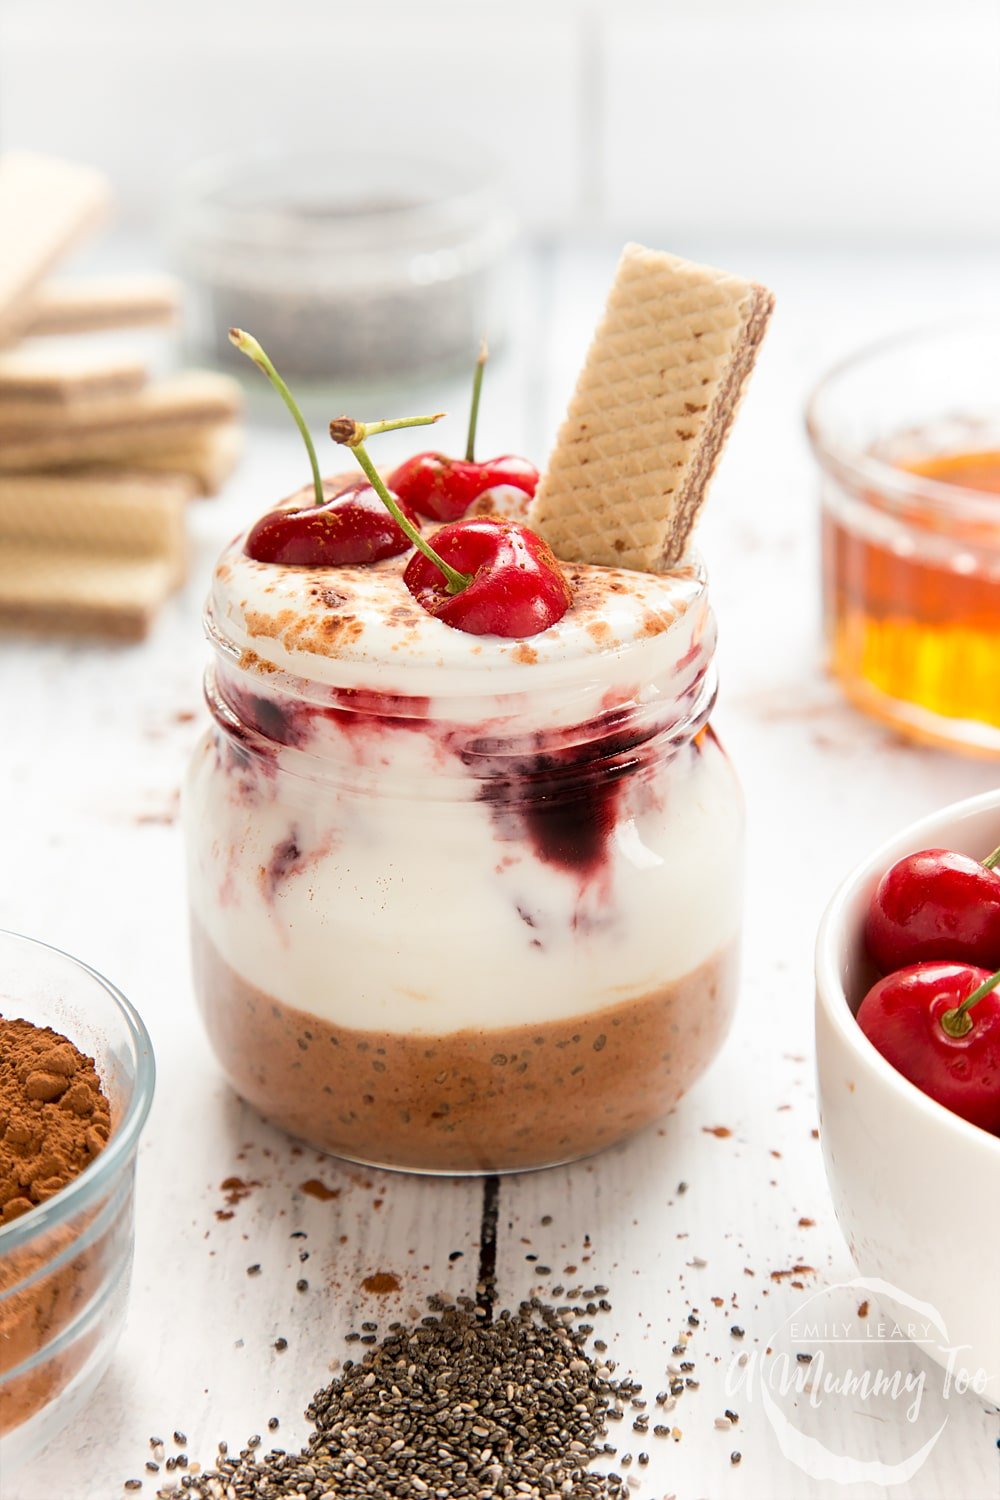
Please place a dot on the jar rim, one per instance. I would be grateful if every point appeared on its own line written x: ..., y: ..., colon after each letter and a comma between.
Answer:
x: 357, y: 627
x: 232, y: 196
x: 867, y: 470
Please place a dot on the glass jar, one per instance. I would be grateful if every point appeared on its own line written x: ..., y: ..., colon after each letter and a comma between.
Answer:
x: 461, y: 904
x: 353, y: 270
x: 907, y: 435
x: 66, y: 1265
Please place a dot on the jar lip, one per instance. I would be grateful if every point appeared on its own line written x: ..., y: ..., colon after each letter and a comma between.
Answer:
x: 865, y: 469
x: 358, y: 627
x: 251, y: 195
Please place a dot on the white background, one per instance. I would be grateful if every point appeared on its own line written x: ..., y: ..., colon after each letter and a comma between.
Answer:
x: 792, y: 121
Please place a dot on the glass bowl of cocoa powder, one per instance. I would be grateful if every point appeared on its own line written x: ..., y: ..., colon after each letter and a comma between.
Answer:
x: 76, y: 1083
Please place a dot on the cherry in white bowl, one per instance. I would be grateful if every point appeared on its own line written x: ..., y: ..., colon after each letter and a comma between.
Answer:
x: 916, y: 1189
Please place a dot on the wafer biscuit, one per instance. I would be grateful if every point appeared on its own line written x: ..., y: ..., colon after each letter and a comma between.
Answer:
x: 86, y: 304
x: 46, y: 206
x: 69, y: 593
x: 117, y: 514
x: 166, y: 416
x: 651, y: 411
x: 207, y: 461
x: 94, y: 553
x: 37, y: 382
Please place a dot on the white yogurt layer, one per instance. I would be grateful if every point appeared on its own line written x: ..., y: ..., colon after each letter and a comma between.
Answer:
x: 361, y: 878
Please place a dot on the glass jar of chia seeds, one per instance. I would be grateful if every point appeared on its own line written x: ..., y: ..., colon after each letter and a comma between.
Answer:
x: 354, y: 270
x: 457, y: 901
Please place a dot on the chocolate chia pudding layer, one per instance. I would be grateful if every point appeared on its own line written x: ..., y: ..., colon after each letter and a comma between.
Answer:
x: 472, y: 1100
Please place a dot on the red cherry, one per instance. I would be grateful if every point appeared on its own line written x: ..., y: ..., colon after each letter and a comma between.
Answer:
x: 935, y: 904
x: 517, y: 587
x: 352, y: 526
x: 444, y: 488
x: 916, y: 1020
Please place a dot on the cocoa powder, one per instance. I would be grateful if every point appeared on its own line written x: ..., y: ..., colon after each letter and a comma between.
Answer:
x: 54, y: 1116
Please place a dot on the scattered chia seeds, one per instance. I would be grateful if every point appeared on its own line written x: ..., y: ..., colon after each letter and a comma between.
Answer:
x: 453, y: 1406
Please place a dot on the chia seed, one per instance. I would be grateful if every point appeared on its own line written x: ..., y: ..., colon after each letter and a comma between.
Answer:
x: 453, y: 1405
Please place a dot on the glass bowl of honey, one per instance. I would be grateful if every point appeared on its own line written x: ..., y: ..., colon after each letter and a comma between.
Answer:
x: 907, y: 436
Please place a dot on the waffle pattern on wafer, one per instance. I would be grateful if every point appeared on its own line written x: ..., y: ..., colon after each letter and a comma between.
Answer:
x: 59, y: 592
x: 652, y: 408
x: 168, y: 415
x: 46, y: 206
x: 94, y: 303
x: 206, y: 459
x: 35, y: 383
x: 117, y: 514
x: 95, y: 553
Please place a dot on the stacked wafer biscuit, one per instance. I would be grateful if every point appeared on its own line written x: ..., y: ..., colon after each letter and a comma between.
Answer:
x: 98, y: 460
x: 652, y: 409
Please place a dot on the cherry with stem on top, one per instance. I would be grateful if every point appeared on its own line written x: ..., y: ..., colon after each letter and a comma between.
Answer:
x: 483, y: 575
x: 939, y: 1025
x: 353, y: 434
x: 443, y: 488
x: 936, y: 904
x: 345, y: 523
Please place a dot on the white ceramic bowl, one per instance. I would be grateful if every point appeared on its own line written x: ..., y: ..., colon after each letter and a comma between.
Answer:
x: 916, y: 1189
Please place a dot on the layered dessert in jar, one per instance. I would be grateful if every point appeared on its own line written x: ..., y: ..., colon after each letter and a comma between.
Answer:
x: 464, y: 859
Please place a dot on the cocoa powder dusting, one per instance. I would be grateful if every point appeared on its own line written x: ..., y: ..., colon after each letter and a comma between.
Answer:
x: 314, y: 1188
x: 381, y: 1283
x: 54, y: 1116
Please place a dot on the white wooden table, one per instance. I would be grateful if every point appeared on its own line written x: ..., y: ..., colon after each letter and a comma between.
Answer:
x: 92, y: 751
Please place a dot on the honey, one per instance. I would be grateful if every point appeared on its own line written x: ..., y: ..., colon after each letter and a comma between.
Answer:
x: 912, y: 593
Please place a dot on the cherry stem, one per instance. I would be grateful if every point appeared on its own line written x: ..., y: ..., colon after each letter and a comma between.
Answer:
x: 477, y: 386
x: 992, y: 860
x: 958, y: 1022
x: 248, y: 345
x: 352, y: 434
